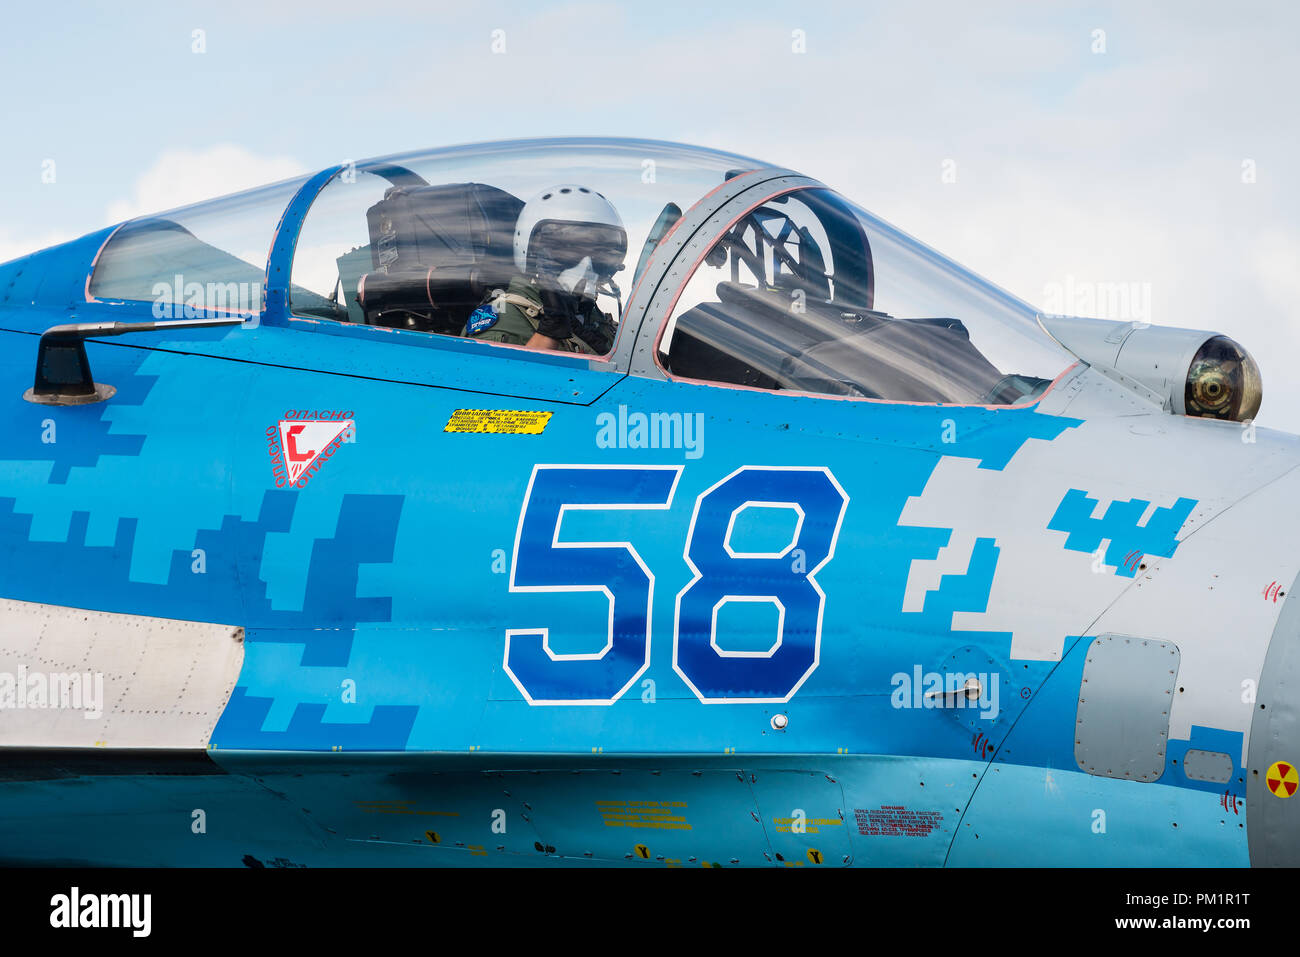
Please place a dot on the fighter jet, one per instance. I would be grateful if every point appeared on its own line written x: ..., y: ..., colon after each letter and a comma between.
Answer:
x: 615, y: 502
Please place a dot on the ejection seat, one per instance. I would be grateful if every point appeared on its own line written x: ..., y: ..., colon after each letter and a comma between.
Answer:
x: 436, y: 252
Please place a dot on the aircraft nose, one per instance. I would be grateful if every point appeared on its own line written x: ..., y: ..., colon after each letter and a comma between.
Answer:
x: 1273, y: 772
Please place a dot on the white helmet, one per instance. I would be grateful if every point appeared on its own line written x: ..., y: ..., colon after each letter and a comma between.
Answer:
x: 561, y: 225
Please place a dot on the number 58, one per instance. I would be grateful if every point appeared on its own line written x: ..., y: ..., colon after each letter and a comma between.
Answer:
x: 543, y: 563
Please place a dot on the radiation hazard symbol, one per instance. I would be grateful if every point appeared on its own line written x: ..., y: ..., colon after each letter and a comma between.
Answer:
x: 642, y: 852
x: 1283, y: 779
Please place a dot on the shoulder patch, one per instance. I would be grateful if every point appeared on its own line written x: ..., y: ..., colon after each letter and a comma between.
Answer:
x: 481, y: 320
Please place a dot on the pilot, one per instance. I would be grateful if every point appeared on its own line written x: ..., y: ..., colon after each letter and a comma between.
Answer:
x: 569, y: 242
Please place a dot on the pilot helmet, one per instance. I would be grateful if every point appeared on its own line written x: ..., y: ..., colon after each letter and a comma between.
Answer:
x: 564, y: 225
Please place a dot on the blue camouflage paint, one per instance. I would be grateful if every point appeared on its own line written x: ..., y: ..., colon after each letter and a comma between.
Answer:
x: 1129, y: 540
x: 438, y: 627
x: 390, y: 571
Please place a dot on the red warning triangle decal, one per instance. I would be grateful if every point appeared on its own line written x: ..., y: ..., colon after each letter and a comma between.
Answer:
x: 304, y: 441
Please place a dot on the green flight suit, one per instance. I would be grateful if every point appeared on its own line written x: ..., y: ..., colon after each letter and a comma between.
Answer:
x: 517, y: 315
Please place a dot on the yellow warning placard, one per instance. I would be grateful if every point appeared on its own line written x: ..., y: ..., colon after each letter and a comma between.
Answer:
x: 660, y: 815
x: 498, y: 421
x: 1283, y: 779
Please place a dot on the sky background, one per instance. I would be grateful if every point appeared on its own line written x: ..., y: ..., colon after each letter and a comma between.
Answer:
x: 1056, y: 148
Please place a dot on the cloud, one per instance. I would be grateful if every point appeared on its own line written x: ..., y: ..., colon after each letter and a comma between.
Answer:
x: 12, y: 246
x: 182, y: 176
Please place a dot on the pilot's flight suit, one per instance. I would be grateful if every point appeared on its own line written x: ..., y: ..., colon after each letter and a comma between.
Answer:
x: 513, y: 317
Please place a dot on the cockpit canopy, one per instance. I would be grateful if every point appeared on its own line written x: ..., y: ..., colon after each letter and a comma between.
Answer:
x: 802, y: 291
x: 808, y: 293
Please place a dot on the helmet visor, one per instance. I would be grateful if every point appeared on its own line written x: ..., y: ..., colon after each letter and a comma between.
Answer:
x: 559, y: 245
